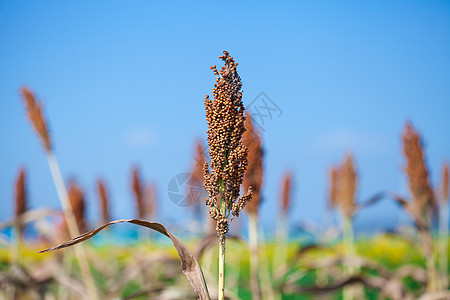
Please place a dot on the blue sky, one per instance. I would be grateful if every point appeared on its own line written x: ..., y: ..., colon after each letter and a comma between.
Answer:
x: 124, y: 84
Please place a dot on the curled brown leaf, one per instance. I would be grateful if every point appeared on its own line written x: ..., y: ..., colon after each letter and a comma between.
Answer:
x: 189, y: 264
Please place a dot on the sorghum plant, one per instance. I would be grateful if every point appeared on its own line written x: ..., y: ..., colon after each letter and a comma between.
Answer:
x: 422, y: 197
x: 343, y: 195
x: 282, y: 237
x: 253, y: 179
x: 224, y: 174
x: 443, y: 226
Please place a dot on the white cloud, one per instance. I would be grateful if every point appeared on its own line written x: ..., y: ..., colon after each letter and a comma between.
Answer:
x: 348, y: 140
x: 140, y: 137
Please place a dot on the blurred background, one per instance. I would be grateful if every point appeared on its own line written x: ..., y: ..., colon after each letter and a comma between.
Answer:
x: 123, y: 85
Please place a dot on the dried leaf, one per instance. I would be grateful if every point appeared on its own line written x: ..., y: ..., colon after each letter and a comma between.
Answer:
x: 372, y: 200
x: 189, y: 264
x: 31, y: 216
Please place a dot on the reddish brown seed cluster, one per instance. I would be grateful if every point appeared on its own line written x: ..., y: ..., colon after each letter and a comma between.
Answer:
x: 144, y: 195
x: 445, y: 183
x: 416, y: 169
x: 138, y: 193
x: 254, y: 175
x: 20, y: 197
x: 225, y: 117
x: 104, y: 203
x: 286, y: 193
x: 34, y: 112
x: 332, y: 193
x: 199, y: 161
x: 195, y: 189
x: 150, y: 200
x: 76, y: 198
x: 343, y: 186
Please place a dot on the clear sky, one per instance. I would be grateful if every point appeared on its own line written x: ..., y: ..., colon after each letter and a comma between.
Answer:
x: 124, y: 83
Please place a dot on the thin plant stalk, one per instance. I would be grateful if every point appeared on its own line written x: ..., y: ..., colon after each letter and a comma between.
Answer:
x: 63, y: 293
x: 221, y: 284
x: 427, y: 245
x: 253, y: 239
x: 15, y: 253
x: 349, y: 251
x: 349, y: 244
x: 282, y: 234
x: 443, y: 227
x: 72, y: 226
x: 281, y: 247
x: 16, y: 250
x: 443, y: 244
x: 221, y: 258
x: 266, y: 286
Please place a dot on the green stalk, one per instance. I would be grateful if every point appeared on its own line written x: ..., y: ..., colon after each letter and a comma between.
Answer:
x: 221, y: 285
x: 266, y: 286
x: 349, y: 244
x: 16, y: 250
x: 281, y: 247
x: 427, y: 245
x: 253, y: 237
x: 349, y: 251
x: 443, y: 244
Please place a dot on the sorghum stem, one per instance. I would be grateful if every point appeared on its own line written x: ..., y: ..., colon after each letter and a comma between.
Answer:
x: 221, y: 291
x: 427, y: 246
x: 349, y: 250
x: 281, y: 247
x: 253, y: 237
x: 443, y: 244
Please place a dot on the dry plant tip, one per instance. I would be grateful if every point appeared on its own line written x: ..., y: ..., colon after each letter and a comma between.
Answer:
x: 34, y: 113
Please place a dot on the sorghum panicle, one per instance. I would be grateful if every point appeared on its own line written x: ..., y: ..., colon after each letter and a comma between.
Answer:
x: 286, y: 192
x: 332, y: 193
x: 138, y: 192
x: 416, y: 169
x: 254, y: 175
x: 104, y: 203
x: 445, y: 183
x: 76, y: 198
x: 345, y: 185
x: 34, y: 112
x: 224, y: 174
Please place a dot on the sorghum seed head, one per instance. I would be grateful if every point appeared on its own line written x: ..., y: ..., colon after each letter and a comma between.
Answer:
x: 254, y: 175
x: 104, y: 203
x: 416, y: 169
x: 225, y: 118
x: 346, y: 186
x: 34, y: 112
x: 445, y: 183
x: 286, y: 192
